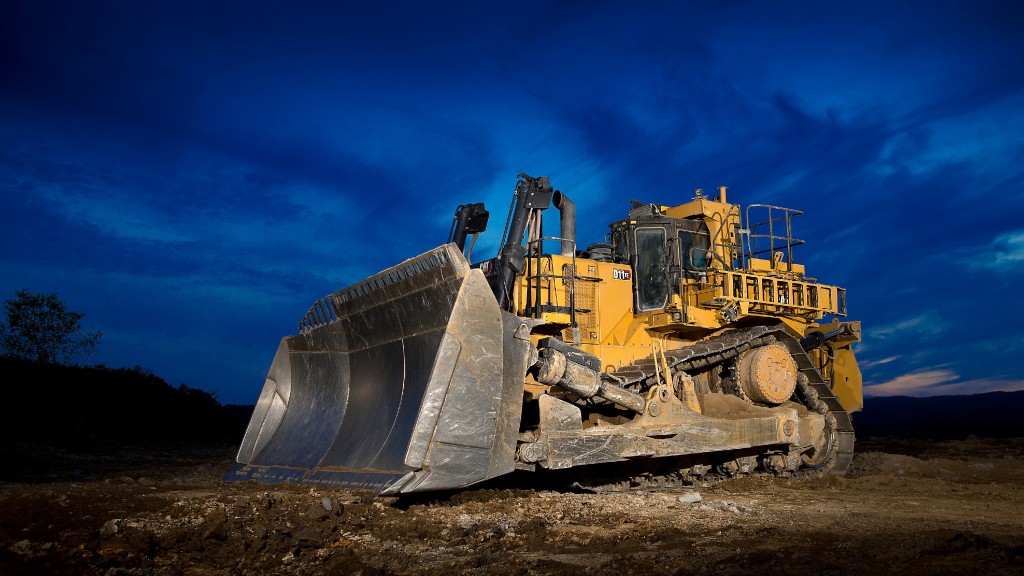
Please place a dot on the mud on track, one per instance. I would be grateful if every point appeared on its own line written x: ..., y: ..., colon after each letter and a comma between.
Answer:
x: 913, y: 508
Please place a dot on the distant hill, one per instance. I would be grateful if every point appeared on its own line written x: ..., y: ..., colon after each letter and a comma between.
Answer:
x: 992, y: 414
x: 79, y: 407
x: 74, y: 406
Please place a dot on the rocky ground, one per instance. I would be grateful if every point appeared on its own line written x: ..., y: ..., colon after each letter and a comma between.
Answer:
x: 907, y: 507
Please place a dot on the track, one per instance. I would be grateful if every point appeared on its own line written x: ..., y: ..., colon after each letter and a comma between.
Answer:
x: 812, y: 391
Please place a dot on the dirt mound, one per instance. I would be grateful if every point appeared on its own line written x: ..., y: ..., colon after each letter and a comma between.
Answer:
x: 973, y: 471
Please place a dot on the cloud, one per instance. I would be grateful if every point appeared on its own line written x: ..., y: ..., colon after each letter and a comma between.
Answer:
x: 925, y: 325
x: 869, y: 364
x: 939, y: 383
x: 911, y: 384
x: 1005, y: 255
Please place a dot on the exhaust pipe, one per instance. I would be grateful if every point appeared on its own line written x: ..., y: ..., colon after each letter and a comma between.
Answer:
x: 567, y: 209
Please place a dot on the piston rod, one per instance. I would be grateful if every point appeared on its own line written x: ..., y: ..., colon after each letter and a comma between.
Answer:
x: 556, y: 368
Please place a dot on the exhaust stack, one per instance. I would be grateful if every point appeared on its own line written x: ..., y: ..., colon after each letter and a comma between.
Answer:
x: 567, y: 209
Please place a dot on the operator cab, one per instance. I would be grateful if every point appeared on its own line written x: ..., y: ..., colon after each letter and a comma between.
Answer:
x: 663, y: 251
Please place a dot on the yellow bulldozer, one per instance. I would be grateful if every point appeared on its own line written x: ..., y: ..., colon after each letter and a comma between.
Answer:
x: 687, y: 347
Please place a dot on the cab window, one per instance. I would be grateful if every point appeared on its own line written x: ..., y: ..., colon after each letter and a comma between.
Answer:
x: 621, y: 248
x: 651, y: 268
x: 693, y: 248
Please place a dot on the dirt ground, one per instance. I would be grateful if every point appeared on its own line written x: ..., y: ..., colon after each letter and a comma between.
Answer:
x: 907, y: 507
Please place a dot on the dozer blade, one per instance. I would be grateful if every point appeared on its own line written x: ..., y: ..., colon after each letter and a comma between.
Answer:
x: 410, y: 380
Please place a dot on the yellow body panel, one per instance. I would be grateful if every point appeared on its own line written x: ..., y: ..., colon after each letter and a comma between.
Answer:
x: 846, y: 380
x: 762, y: 265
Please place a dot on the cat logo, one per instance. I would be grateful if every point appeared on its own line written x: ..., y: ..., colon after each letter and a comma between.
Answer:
x: 620, y: 274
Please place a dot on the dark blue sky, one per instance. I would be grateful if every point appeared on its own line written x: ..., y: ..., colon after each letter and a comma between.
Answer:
x: 192, y: 175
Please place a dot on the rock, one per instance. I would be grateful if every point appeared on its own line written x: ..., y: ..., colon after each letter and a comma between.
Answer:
x: 239, y: 509
x: 689, y: 498
x: 307, y: 538
x: 216, y: 532
x: 734, y: 507
x: 316, y: 512
x: 465, y: 521
x: 326, y: 503
x: 142, y: 541
x: 111, y: 527
x: 146, y: 481
x: 507, y: 526
x: 214, y: 526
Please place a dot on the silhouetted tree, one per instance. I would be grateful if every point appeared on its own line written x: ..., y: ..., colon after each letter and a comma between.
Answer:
x: 40, y: 328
